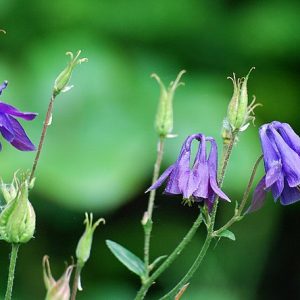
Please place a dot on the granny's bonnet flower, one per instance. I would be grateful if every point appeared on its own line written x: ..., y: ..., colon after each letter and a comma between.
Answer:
x: 281, y: 153
x: 10, y: 128
x: 198, y: 182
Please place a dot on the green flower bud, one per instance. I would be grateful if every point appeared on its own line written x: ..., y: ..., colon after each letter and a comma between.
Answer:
x: 239, y: 112
x: 60, y: 289
x: 17, y: 219
x: 164, y: 116
x: 84, y: 245
x: 60, y: 84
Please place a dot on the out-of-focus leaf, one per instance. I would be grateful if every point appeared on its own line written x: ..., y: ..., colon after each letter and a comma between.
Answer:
x: 127, y: 258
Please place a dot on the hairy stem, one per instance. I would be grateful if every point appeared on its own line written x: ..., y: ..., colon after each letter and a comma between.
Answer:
x: 176, y: 252
x: 148, y: 223
x: 11, y: 272
x: 47, y: 122
x: 240, y: 209
x: 75, y: 281
x: 224, y: 163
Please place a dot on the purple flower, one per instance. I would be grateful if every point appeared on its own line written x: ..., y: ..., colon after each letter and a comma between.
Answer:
x: 281, y: 152
x: 10, y: 128
x: 198, y: 182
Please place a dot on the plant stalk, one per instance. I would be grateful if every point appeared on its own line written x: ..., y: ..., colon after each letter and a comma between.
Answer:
x: 11, y: 272
x: 75, y: 281
x: 47, y: 122
x: 148, y: 225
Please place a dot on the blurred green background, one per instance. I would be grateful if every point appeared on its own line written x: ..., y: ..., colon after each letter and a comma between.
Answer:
x: 100, y: 148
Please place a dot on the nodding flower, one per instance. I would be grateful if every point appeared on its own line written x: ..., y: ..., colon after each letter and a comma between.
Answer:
x: 281, y: 154
x: 10, y: 128
x: 199, y: 182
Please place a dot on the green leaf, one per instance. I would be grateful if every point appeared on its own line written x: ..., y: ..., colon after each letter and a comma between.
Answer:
x: 157, y: 261
x: 127, y: 258
x: 227, y: 234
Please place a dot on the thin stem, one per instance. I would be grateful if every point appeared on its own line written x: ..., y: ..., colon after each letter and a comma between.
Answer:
x: 160, y: 152
x: 171, y: 258
x: 148, y: 224
x: 239, y: 211
x: 191, y: 271
x: 226, y: 155
x: 11, y: 272
x: 75, y: 281
x: 47, y: 122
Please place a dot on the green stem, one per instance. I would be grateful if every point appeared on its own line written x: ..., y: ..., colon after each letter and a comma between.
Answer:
x: 75, y: 281
x: 210, y: 230
x: 148, y: 215
x: 238, y: 212
x: 176, y: 252
x: 47, y: 122
x: 11, y: 272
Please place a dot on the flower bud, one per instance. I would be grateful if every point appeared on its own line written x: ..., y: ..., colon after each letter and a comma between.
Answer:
x: 164, y: 115
x: 17, y: 219
x: 60, y: 289
x: 60, y: 84
x: 238, y: 114
x: 84, y: 245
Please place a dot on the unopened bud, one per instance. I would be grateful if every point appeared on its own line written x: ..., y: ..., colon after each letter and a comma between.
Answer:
x: 84, y: 246
x: 239, y: 112
x: 17, y: 219
x: 61, y: 82
x: 60, y: 289
x: 164, y: 116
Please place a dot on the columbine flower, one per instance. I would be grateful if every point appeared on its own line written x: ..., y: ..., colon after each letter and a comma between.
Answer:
x: 281, y: 151
x: 10, y: 128
x: 200, y: 181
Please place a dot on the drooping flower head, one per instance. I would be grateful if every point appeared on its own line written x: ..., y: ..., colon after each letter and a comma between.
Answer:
x: 198, y: 182
x: 10, y: 128
x: 281, y: 153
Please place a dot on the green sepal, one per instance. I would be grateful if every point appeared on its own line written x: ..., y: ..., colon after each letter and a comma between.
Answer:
x: 127, y: 258
x: 227, y: 234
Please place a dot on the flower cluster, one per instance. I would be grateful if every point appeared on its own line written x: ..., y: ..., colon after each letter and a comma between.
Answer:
x: 10, y: 128
x: 199, y: 182
x: 281, y: 151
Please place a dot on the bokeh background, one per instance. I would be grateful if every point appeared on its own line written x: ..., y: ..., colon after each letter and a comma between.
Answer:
x: 100, y: 148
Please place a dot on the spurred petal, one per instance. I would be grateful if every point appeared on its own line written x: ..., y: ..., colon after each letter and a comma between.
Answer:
x: 277, y: 187
x: 195, y: 175
x: 202, y: 189
x: 259, y: 196
x: 271, y: 155
x: 290, y: 160
x: 11, y: 110
x: 273, y: 174
x: 212, y: 163
x: 21, y: 140
x: 289, y: 195
x: 289, y: 135
x: 161, y: 179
